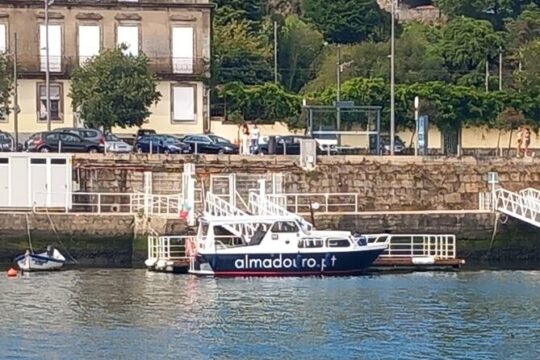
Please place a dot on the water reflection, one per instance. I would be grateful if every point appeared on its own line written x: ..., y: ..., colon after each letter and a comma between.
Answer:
x: 126, y: 313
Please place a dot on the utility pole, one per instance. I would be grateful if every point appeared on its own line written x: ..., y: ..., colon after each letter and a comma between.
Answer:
x: 47, y: 75
x: 487, y: 75
x: 15, y: 93
x: 275, y: 53
x: 500, y: 68
x: 338, y: 95
x: 392, y: 80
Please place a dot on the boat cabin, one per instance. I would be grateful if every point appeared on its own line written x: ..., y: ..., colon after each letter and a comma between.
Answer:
x: 283, y: 232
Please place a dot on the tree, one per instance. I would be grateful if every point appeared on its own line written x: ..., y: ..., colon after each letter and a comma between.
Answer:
x: 466, y: 44
x: 114, y: 89
x: 300, y: 44
x: 496, y: 11
x: 347, y: 21
x: 6, y: 86
x: 229, y: 11
x: 241, y: 55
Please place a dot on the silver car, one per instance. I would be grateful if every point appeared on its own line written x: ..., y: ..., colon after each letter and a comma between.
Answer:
x: 113, y: 144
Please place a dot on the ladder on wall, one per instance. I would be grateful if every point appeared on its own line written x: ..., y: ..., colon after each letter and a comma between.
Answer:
x: 524, y: 205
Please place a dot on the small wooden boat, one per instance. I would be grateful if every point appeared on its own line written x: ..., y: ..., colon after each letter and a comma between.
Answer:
x: 51, y: 259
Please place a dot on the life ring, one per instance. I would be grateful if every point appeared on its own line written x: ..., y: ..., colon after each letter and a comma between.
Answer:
x: 115, y: 208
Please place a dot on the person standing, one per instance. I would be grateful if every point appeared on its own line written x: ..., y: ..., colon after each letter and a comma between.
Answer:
x: 519, y: 141
x: 255, y: 134
x: 245, y: 139
x: 527, y: 139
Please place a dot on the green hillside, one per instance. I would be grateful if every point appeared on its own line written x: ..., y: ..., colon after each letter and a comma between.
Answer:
x: 443, y: 61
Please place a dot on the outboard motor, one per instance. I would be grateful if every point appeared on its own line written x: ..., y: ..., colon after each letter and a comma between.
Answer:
x: 50, y: 250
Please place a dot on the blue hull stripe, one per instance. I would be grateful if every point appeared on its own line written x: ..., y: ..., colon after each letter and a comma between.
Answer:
x: 37, y: 257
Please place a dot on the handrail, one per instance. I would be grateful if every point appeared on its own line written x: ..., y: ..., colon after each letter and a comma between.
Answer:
x: 218, y: 207
x: 261, y: 205
x: 440, y: 246
x: 516, y: 205
x: 530, y: 193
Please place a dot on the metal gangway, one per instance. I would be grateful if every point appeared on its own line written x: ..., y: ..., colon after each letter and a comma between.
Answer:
x: 267, y: 205
x: 524, y: 205
x: 216, y: 206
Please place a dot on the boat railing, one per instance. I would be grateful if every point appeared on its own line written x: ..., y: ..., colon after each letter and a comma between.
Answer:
x: 168, y: 247
x: 440, y: 246
x: 218, y: 207
x: 264, y: 205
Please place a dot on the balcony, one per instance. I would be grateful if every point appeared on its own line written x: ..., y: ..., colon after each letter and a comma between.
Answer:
x: 63, y: 66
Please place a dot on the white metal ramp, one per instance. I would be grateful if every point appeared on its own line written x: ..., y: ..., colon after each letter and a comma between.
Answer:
x: 216, y: 206
x: 264, y: 205
x: 524, y: 205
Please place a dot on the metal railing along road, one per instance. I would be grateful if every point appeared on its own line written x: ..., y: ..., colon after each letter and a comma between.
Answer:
x: 301, y: 203
x: 418, y: 245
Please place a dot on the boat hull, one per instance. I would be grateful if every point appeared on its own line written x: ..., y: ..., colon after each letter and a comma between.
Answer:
x: 291, y: 264
x: 38, y: 263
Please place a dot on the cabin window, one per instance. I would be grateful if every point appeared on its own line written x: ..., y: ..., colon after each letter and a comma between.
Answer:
x: 310, y: 243
x: 203, y: 229
x: 285, y: 227
x: 338, y: 243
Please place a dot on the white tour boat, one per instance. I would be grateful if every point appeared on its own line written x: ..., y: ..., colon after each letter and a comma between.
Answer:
x: 270, y: 245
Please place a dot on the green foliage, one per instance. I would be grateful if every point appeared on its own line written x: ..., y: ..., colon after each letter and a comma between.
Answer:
x: 266, y: 103
x: 241, y: 55
x: 347, y: 21
x: 495, y: 11
x: 239, y: 10
x: 466, y: 44
x: 299, y: 46
x: 114, y: 89
x: 6, y: 86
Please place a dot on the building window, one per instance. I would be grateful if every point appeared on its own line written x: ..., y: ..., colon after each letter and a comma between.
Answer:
x: 3, y: 38
x: 55, y: 97
x: 89, y: 42
x: 55, y: 48
x: 129, y: 35
x: 182, y: 50
x: 183, y: 103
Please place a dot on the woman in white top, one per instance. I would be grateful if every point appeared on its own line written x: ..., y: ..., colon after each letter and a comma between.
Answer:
x: 255, y: 133
x: 245, y: 140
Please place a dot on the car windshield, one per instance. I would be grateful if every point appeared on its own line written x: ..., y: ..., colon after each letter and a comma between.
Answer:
x: 111, y: 137
x: 171, y: 140
x: 219, y: 139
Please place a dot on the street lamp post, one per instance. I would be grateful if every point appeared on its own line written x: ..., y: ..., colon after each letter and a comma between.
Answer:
x: 47, y: 74
x: 392, y: 79
x: 338, y: 95
x: 416, y: 109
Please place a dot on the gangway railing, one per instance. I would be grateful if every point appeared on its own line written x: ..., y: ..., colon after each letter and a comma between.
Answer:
x: 437, y: 246
x: 263, y: 205
x: 167, y: 247
x: 215, y: 206
x: 530, y: 193
x: 516, y: 205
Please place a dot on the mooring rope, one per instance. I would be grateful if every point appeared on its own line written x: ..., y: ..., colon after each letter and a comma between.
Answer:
x: 497, y: 215
x: 28, y: 233
x: 58, y: 237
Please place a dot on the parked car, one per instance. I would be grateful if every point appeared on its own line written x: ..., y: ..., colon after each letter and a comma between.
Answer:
x: 210, y: 144
x: 290, y: 145
x: 7, y: 143
x: 399, y: 145
x: 93, y: 135
x: 114, y: 144
x: 142, y: 132
x: 327, y: 143
x: 58, y: 141
x: 161, y: 144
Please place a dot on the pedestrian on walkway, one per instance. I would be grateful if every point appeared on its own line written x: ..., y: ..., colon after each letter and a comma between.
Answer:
x: 519, y: 141
x: 527, y: 140
x: 245, y: 139
x: 255, y: 134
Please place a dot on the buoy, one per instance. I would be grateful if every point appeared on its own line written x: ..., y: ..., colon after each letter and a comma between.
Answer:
x: 12, y: 272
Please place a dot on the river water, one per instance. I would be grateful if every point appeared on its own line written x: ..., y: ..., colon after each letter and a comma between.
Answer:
x: 132, y: 314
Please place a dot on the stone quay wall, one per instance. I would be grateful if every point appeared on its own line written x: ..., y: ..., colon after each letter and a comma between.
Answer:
x: 400, y: 183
